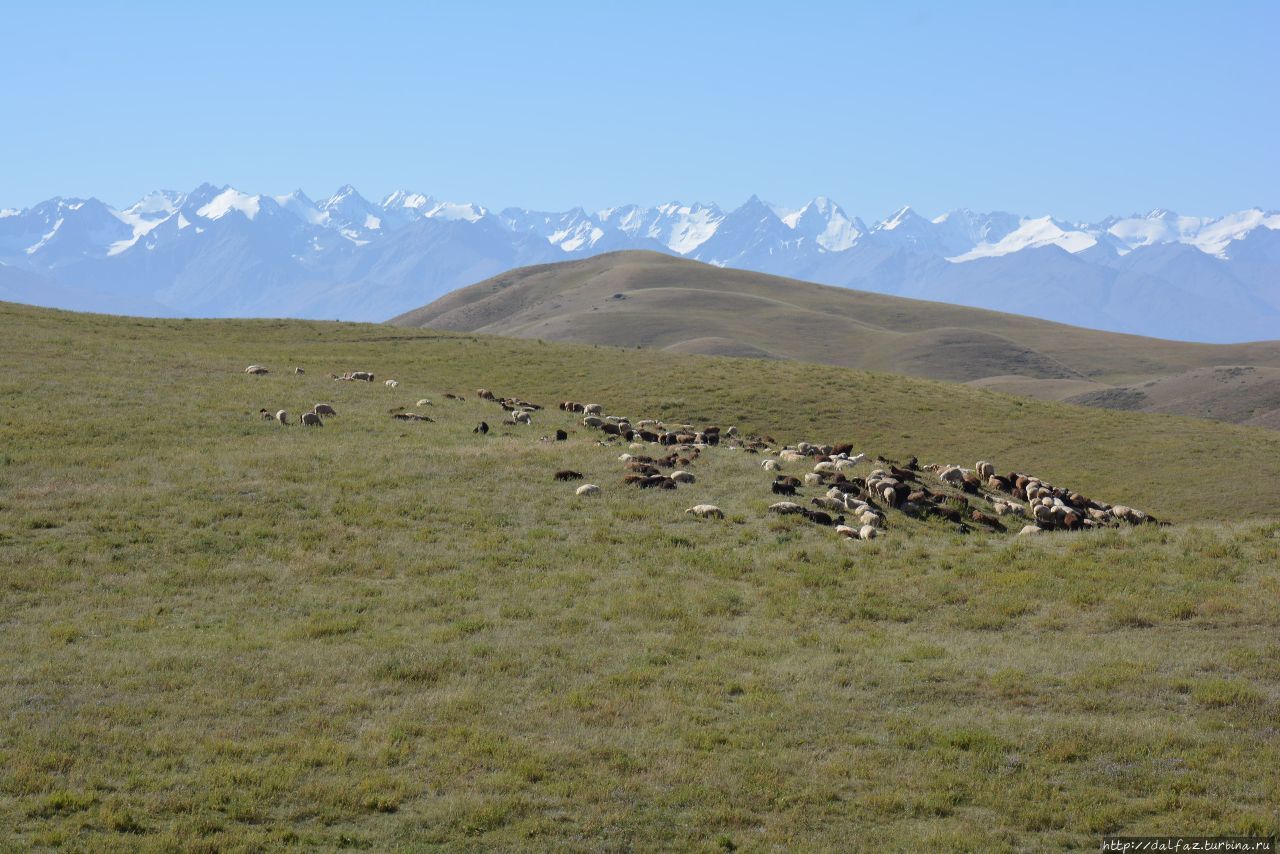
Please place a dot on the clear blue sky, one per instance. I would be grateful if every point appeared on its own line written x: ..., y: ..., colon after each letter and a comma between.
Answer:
x: 1080, y: 109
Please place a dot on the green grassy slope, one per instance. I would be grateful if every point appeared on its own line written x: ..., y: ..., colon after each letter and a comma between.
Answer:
x: 216, y: 633
x: 681, y: 304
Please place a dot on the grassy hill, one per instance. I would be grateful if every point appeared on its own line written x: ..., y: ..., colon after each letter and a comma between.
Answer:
x: 656, y: 301
x: 221, y: 634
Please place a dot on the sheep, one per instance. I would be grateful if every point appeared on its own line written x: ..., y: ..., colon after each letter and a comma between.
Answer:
x: 770, y: 465
x: 265, y: 414
x: 828, y: 503
x: 522, y: 417
x: 791, y: 457
x: 593, y: 409
x: 561, y: 436
x: 1031, y: 529
x: 282, y: 417
x: 784, y: 508
x: 411, y: 416
x: 482, y: 428
x: 587, y: 489
x: 846, y: 531
x: 484, y: 394
x: 324, y: 409
x: 593, y: 421
x: 812, y: 479
x: 641, y: 468
x: 568, y: 474
x: 706, y: 511
x: 826, y: 468
x: 782, y: 488
x: 821, y: 518
x: 423, y: 402
x: 256, y: 370
x: 311, y: 419
x: 984, y: 469
x: 682, y: 477
x: 299, y: 371
x: 364, y: 376
x: 391, y: 384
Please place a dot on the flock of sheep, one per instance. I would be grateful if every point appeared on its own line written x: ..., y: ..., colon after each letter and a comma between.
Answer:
x: 659, y: 456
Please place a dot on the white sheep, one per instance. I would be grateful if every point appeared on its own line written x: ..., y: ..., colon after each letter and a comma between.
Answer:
x: 592, y: 421
x: 423, y: 402
x: 256, y: 370
x: 867, y: 532
x: 706, y: 511
x: 826, y: 468
x: 587, y: 489
x: 770, y: 465
x: 392, y: 384
x: 785, y: 507
x: 683, y: 477
x: 1031, y: 529
x: 593, y: 409
x: 624, y: 458
x: 791, y: 457
x: 812, y: 479
x: 984, y: 469
x: 846, y: 531
x: 521, y: 417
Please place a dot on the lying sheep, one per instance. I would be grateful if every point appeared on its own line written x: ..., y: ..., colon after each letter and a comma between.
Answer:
x: 587, y: 489
x: 770, y: 465
x: 423, y: 402
x: 785, y: 508
x: 256, y: 370
x: 682, y: 477
x: 391, y: 384
x: 706, y: 511
x: 299, y: 371
x: 568, y: 474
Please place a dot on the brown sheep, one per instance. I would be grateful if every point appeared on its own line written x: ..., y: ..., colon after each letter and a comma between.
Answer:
x: 484, y: 394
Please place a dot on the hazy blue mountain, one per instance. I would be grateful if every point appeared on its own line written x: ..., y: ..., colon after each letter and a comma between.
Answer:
x: 217, y: 251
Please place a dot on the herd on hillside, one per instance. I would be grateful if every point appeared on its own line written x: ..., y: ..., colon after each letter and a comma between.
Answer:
x: 659, y: 455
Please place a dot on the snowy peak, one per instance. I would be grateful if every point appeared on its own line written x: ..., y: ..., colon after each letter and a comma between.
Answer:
x: 826, y: 223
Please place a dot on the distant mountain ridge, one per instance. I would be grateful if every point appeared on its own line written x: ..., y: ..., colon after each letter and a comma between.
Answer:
x: 218, y: 252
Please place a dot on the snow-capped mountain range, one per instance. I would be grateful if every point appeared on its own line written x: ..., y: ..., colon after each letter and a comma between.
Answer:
x: 220, y: 252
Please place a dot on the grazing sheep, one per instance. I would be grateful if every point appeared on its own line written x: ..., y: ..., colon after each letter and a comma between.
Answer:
x: 282, y: 417
x: 256, y: 370
x: 391, y: 384
x: 587, y: 489
x: 593, y: 409
x: 821, y: 517
x: 812, y: 479
x: 310, y: 419
x: 984, y: 469
x: 706, y: 511
x: 828, y: 503
x: 324, y: 409
x: 484, y: 394
x: 482, y: 428
x: 522, y: 417
x: 568, y: 474
x: 265, y: 414
x: 593, y: 421
x: 1031, y: 529
x: 782, y: 488
x: 682, y: 477
x: 770, y: 465
x: 561, y: 436
x: 867, y: 532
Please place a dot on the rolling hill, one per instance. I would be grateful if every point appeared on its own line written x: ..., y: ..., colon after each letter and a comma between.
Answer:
x: 651, y: 300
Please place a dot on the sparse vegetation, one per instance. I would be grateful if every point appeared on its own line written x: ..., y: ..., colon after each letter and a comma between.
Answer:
x: 224, y: 634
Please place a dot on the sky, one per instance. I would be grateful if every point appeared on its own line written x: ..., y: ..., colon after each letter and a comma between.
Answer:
x: 1079, y: 109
